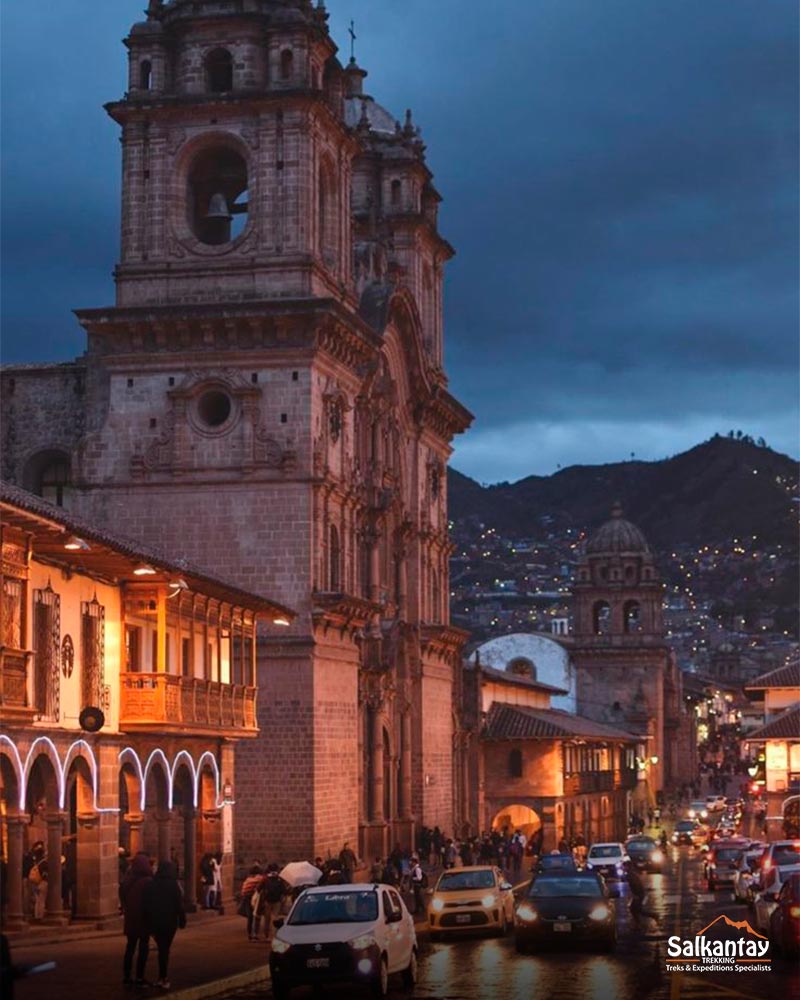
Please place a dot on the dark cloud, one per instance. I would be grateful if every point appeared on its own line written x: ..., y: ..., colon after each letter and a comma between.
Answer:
x: 620, y: 182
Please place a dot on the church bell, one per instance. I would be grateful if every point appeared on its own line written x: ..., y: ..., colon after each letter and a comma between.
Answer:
x: 218, y: 207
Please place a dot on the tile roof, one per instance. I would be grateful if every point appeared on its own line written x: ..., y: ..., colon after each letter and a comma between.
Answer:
x: 518, y: 722
x: 519, y: 680
x: 13, y: 497
x: 786, y: 676
x: 785, y: 727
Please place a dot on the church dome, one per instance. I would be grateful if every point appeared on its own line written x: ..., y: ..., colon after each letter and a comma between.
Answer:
x: 617, y: 535
x: 379, y: 119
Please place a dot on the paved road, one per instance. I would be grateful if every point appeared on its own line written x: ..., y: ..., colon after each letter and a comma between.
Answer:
x: 490, y: 969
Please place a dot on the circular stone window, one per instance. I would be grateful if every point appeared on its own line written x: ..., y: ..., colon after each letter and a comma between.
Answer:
x: 214, y: 407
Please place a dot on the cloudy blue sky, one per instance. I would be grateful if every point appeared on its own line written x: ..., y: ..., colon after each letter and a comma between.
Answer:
x: 620, y: 183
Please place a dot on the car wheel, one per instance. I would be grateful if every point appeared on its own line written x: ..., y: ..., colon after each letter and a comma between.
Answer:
x: 410, y: 971
x: 279, y: 990
x: 380, y: 983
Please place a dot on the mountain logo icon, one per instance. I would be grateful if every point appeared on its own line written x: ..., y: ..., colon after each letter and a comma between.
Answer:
x: 736, y: 925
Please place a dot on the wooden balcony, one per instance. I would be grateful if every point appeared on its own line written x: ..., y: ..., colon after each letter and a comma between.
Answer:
x: 14, y: 665
x: 168, y: 703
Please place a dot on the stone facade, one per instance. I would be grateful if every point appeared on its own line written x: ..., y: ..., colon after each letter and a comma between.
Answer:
x: 267, y: 399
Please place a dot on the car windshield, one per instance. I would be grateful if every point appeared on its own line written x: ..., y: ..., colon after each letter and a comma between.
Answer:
x: 557, y: 861
x: 552, y: 887
x: 335, y: 908
x: 727, y: 853
x: 456, y: 880
x: 641, y: 845
x: 685, y: 826
x: 605, y: 851
x: 786, y: 854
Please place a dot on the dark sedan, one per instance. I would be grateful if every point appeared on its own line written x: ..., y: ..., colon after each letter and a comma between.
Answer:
x: 555, y: 862
x: 645, y: 853
x: 567, y: 909
x: 784, y: 921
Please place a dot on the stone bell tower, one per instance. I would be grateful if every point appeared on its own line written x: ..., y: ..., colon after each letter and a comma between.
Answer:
x: 267, y: 399
x: 623, y: 667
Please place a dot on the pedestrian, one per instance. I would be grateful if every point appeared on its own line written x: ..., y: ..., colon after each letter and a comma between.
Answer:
x: 637, y: 891
x: 376, y: 871
x: 249, y: 902
x: 650, y: 814
x: 390, y: 876
x: 272, y: 893
x: 348, y: 863
x: 131, y: 897
x: 207, y: 880
x: 216, y: 884
x: 164, y: 913
x: 419, y: 883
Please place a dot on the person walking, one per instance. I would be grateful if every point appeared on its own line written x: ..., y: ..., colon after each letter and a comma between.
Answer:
x: 216, y: 881
x: 273, y: 892
x: 249, y: 902
x: 131, y: 897
x: 164, y: 913
x: 348, y: 862
x: 637, y: 890
x: 419, y: 882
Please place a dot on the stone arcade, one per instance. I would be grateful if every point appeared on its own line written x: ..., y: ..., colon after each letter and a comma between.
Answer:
x: 267, y: 399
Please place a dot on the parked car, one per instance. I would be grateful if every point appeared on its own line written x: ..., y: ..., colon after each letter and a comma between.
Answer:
x: 357, y: 933
x: 607, y: 859
x: 716, y: 803
x: 721, y: 862
x: 555, y: 862
x: 784, y: 921
x: 746, y: 875
x: 645, y: 853
x: 780, y: 853
x: 474, y: 898
x: 566, y: 909
x: 767, y: 899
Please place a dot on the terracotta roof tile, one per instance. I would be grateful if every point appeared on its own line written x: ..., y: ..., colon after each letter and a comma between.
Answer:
x: 517, y: 722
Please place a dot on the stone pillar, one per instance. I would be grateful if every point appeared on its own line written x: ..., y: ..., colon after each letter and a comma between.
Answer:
x: 163, y: 824
x: 375, y: 570
x: 376, y: 770
x: 14, y: 916
x: 190, y: 859
x: 135, y: 822
x: 54, y: 907
x: 405, y: 766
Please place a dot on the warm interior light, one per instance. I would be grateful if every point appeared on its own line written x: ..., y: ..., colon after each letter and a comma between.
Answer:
x: 143, y: 569
x: 281, y: 620
x: 654, y: 759
x: 75, y: 544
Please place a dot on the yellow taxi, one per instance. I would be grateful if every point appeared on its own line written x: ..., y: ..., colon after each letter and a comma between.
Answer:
x: 477, y: 897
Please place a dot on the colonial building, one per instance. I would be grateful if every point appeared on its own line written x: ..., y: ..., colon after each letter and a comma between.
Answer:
x: 532, y: 767
x: 126, y: 680
x: 626, y: 673
x: 267, y: 399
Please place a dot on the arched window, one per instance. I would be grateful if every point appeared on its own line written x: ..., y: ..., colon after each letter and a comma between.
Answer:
x: 521, y: 666
x: 48, y: 474
x: 601, y: 618
x: 217, y: 192
x: 335, y: 559
x: 396, y: 193
x: 287, y: 64
x: 219, y: 71
x: 633, y: 616
x: 327, y: 215
x: 145, y: 74
x: 515, y: 764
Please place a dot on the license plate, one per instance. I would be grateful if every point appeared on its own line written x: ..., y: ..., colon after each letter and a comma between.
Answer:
x: 463, y: 918
x: 562, y: 927
x: 318, y: 963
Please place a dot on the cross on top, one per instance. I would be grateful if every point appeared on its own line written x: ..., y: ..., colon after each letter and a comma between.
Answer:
x: 352, y: 33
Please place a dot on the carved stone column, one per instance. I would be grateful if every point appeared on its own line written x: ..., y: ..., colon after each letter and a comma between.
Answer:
x: 163, y: 823
x: 376, y: 769
x: 54, y: 907
x: 405, y: 765
x: 190, y: 859
x: 14, y: 916
x: 135, y: 822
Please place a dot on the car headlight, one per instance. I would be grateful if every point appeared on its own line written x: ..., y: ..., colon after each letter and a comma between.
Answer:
x: 588, y: 864
x: 704, y: 814
x: 675, y: 837
x: 362, y: 941
x: 279, y: 947
x: 600, y: 912
x: 437, y: 904
x: 657, y: 857
x: 489, y: 901
x: 692, y: 814
x: 527, y: 913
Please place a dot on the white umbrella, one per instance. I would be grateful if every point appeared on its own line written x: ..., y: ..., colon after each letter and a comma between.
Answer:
x: 300, y: 873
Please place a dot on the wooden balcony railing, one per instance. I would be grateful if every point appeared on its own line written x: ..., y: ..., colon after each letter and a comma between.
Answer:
x: 14, y: 665
x: 168, y: 702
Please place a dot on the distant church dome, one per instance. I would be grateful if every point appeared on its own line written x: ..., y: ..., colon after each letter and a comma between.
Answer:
x: 617, y: 535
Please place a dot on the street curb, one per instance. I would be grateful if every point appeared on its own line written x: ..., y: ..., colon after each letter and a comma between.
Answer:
x: 216, y: 986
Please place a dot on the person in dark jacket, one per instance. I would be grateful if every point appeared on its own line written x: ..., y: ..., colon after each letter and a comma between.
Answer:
x: 164, y: 913
x: 131, y: 897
